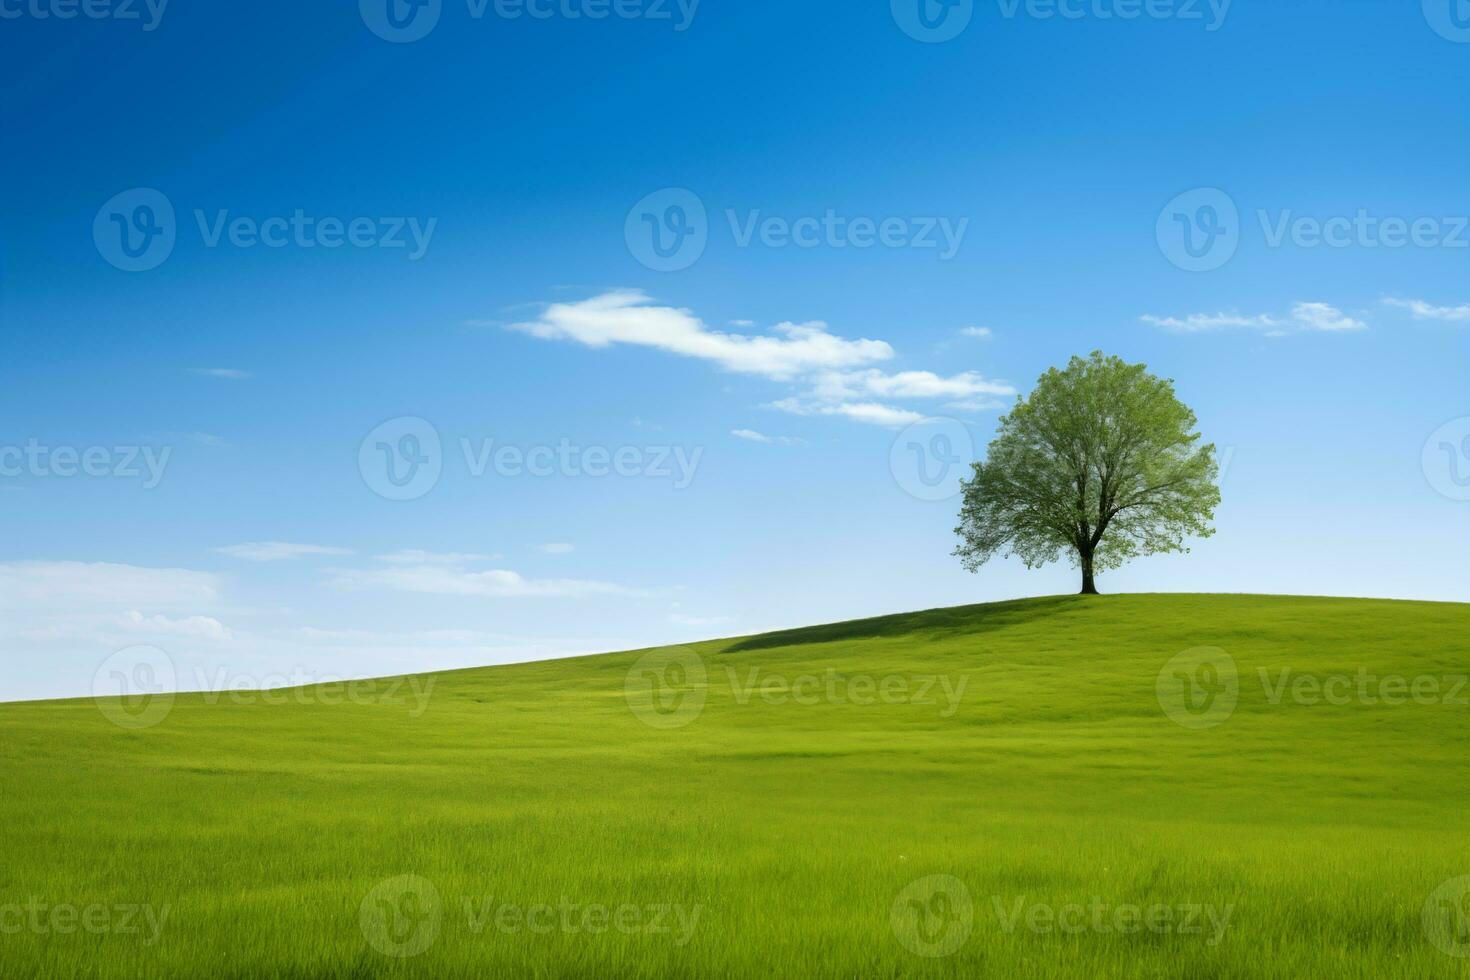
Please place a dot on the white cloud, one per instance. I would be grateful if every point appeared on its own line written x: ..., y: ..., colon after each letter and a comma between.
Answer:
x: 1304, y: 316
x: 976, y: 332
x: 227, y: 374
x: 630, y: 317
x: 491, y: 583
x: 836, y: 386
x: 835, y: 375
x: 200, y: 627
x: 1320, y: 316
x: 1196, y: 322
x: 1427, y: 311
x: 558, y: 548
x: 972, y: 405
x: 66, y: 585
x: 439, y: 574
x: 414, y: 556
x: 750, y: 435
x: 277, y: 551
x: 869, y: 412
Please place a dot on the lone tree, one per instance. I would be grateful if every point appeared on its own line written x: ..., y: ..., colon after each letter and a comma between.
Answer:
x: 1101, y: 462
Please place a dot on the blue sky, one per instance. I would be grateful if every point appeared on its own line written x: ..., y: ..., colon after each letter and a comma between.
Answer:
x: 865, y: 224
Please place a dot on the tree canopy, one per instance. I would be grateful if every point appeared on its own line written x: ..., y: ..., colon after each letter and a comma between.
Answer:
x: 1101, y: 463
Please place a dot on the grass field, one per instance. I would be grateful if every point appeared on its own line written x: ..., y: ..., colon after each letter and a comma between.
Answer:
x: 1026, y: 789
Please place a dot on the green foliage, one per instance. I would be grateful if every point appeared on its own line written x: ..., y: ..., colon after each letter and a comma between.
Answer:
x: 1100, y: 463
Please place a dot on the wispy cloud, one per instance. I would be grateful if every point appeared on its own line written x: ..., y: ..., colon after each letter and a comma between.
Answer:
x: 1197, y: 322
x: 1427, y: 311
x: 1320, y: 316
x: 1303, y: 317
x: 750, y: 435
x: 497, y: 583
x: 437, y: 576
x: 871, y: 412
x: 630, y: 317
x: 414, y: 556
x: 836, y: 376
x: 227, y: 374
x: 557, y: 548
x: 277, y: 551
x: 978, y: 332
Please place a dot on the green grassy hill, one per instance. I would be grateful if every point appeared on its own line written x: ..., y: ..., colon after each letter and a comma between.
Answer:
x: 1034, y: 789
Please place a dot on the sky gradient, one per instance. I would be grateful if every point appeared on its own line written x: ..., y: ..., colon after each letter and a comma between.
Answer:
x: 345, y: 340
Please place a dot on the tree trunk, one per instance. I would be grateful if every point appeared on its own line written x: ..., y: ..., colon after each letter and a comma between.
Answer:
x: 1088, y: 587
